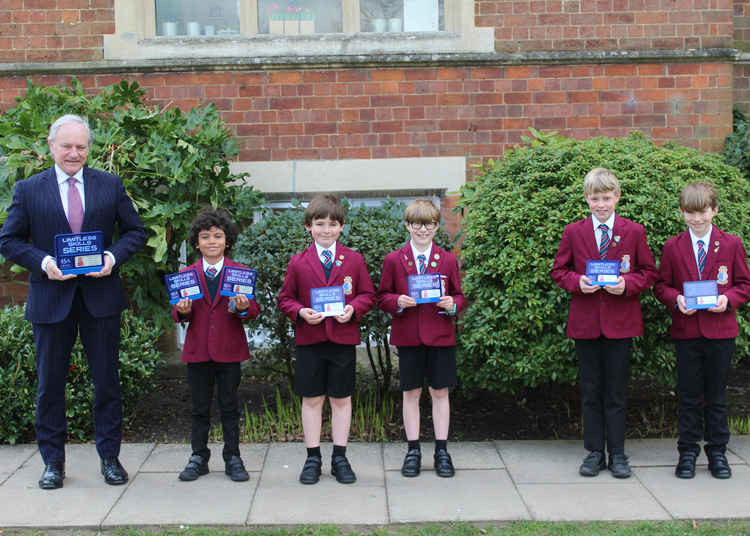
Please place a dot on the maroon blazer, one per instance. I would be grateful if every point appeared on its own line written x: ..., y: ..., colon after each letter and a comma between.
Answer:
x: 726, y: 255
x: 305, y: 272
x: 214, y: 333
x: 420, y: 325
x: 601, y: 313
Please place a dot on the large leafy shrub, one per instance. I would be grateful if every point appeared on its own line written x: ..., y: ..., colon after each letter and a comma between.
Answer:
x: 171, y: 162
x: 268, y: 245
x: 139, y: 360
x: 514, y: 214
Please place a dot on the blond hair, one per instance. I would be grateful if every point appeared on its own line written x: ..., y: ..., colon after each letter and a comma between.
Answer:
x: 422, y: 211
x: 600, y: 180
x: 698, y: 196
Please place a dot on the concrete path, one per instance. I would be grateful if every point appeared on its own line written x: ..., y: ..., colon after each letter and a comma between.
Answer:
x: 495, y: 481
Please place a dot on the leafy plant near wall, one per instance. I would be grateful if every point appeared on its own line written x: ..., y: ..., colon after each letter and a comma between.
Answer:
x: 172, y: 163
x: 267, y: 246
x: 139, y: 361
x: 513, y: 335
x: 737, y: 145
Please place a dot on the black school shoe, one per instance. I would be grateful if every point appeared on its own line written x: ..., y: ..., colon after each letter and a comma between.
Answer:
x: 341, y: 469
x: 412, y: 463
x: 592, y: 464
x: 619, y: 466
x: 113, y: 472
x: 311, y: 470
x: 719, y: 466
x: 197, y: 466
x: 444, y: 464
x: 686, y: 465
x: 53, y: 476
x: 235, y: 469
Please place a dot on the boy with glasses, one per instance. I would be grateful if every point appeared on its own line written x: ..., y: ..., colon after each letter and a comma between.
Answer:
x: 424, y: 333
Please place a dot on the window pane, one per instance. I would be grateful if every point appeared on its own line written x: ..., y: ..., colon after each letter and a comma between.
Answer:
x: 197, y: 17
x: 402, y: 15
x: 299, y: 16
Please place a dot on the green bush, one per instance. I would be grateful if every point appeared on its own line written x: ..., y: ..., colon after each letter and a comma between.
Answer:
x: 267, y: 246
x: 737, y: 145
x: 139, y: 360
x: 172, y: 163
x: 513, y: 335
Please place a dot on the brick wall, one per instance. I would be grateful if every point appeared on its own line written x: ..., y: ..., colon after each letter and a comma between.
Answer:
x: 607, y: 24
x: 54, y: 30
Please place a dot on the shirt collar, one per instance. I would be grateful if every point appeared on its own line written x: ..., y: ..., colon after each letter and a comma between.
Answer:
x: 219, y: 265
x: 320, y: 249
x: 706, y: 238
x: 63, y: 177
x: 416, y: 252
x: 610, y: 223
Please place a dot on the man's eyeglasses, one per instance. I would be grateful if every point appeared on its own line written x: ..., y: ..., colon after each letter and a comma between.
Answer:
x: 428, y: 226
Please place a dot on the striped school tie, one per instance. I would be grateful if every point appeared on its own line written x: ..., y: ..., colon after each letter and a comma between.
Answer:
x: 327, y: 259
x: 422, y: 260
x: 604, y: 242
x: 211, y: 272
x: 701, y: 258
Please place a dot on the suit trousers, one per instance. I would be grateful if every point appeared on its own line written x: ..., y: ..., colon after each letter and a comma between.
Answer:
x: 702, y: 372
x: 605, y: 369
x: 101, y: 343
x: 203, y: 378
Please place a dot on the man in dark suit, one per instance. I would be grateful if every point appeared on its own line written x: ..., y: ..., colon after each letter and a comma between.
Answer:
x: 70, y: 197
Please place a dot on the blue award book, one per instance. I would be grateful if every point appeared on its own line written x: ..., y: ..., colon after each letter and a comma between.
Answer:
x: 425, y: 288
x: 700, y: 294
x: 603, y: 272
x: 236, y: 280
x: 183, y: 285
x: 79, y: 253
x: 329, y: 301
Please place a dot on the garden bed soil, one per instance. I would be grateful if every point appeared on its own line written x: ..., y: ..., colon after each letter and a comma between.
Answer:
x: 548, y: 412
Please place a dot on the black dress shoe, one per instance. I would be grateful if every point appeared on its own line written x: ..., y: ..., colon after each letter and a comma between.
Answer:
x: 311, y: 470
x: 53, y: 476
x: 114, y: 473
x: 686, y: 465
x: 197, y: 466
x: 592, y: 464
x: 619, y: 466
x: 235, y: 469
x: 444, y: 464
x: 718, y: 465
x: 341, y: 469
x: 412, y: 463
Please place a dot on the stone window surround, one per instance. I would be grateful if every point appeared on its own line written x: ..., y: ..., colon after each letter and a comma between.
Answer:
x: 135, y: 37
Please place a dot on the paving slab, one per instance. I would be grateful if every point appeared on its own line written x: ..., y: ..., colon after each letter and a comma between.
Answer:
x: 85, y: 500
x: 13, y: 457
x: 281, y: 499
x: 609, y: 500
x: 542, y: 461
x: 172, y: 458
x: 740, y: 446
x: 471, y: 495
x: 702, y: 497
x: 162, y: 499
x: 465, y: 455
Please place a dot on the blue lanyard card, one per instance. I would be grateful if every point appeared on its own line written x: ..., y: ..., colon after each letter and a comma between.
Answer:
x: 329, y: 301
x: 236, y: 280
x: 603, y: 272
x: 79, y: 253
x: 425, y: 288
x: 700, y: 294
x: 183, y: 285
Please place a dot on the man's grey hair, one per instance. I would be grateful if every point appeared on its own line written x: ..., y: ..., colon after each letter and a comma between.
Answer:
x: 64, y: 120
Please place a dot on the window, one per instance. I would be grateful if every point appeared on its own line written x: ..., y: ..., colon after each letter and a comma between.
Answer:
x: 159, y: 29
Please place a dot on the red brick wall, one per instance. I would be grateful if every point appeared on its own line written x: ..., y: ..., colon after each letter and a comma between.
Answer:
x: 607, y: 24
x: 54, y: 30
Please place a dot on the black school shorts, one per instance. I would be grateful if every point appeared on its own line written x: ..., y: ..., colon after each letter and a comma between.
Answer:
x: 437, y: 363
x: 325, y: 368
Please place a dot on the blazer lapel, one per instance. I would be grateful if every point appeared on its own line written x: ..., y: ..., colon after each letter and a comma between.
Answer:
x: 436, y: 257
x: 406, y: 257
x: 311, y: 258
x: 90, y: 194
x: 53, y: 194
x: 685, y: 248
x: 712, y: 252
x: 590, y: 239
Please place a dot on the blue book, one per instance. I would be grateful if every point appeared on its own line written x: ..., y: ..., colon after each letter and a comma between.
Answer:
x: 700, y: 294
x: 79, y: 253
x: 181, y: 285
x: 329, y: 301
x: 425, y: 288
x: 236, y: 280
x: 603, y: 272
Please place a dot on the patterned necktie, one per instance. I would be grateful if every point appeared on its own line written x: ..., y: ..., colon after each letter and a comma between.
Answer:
x: 75, y: 206
x: 604, y: 242
x: 701, y: 259
x: 327, y: 259
x: 211, y: 272
x: 422, y: 260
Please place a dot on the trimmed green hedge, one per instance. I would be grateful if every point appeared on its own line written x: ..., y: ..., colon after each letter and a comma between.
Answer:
x: 513, y: 335
x: 139, y: 360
